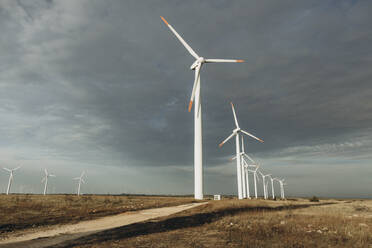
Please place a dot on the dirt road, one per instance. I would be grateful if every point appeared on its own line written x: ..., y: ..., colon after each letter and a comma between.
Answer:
x: 60, y: 233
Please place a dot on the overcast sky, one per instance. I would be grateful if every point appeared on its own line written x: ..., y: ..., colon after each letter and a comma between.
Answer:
x: 103, y: 86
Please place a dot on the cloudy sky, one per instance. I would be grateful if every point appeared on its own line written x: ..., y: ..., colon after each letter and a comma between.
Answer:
x: 103, y: 86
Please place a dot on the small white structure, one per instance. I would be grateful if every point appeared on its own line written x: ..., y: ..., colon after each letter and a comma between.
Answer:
x: 217, y: 197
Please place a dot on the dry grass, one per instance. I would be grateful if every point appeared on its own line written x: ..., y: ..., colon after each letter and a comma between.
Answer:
x: 24, y: 211
x: 247, y: 223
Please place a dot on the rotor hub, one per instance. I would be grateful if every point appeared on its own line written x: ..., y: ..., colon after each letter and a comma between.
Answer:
x: 201, y: 60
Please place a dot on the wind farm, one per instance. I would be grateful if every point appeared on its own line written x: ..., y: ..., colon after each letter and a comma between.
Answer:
x: 107, y: 140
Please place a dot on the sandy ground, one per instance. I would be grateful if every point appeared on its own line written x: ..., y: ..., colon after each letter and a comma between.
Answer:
x: 59, y: 233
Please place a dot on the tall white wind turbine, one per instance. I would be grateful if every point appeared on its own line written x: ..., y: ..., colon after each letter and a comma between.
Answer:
x: 45, y: 180
x: 81, y: 180
x: 236, y: 132
x: 195, y: 96
x: 10, y: 177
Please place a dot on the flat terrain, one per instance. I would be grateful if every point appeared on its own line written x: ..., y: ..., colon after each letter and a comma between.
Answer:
x: 57, y: 234
x: 225, y: 223
x: 18, y: 212
x: 248, y: 223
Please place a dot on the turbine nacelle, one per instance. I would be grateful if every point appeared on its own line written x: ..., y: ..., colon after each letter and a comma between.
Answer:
x: 198, y: 62
x: 236, y: 130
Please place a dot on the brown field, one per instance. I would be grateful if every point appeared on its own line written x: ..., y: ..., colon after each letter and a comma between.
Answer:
x: 18, y: 212
x: 249, y: 223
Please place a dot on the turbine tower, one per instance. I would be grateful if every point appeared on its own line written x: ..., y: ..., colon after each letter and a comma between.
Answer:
x: 272, y: 186
x: 264, y: 183
x: 45, y: 180
x: 10, y: 177
x: 236, y: 132
x: 81, y: 180
x: 245, y: 169
x: 281, y: 182
x: 255, y: 178
x: 195, y: 96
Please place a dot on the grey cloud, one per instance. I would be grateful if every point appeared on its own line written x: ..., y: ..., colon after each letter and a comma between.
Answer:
x: 106, y: 82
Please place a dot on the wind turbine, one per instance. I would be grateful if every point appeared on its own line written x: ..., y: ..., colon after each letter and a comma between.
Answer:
x: 264, y: 183
x: 10, y: 177
x: 81, y: 180
x: 195, y: 96
x: 281, y: 182
x: 255, y: 178
x: 45, y: 179
x: 236, y: 132
x: 272, y: 186
x: 245, y: 165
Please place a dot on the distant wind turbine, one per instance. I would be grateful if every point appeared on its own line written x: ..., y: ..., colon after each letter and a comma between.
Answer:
x: 264, y: 183
x: 255, y: 178
x: 81, y: 180
x: 236, y: 132
x: 245, y: 165
x: 10, y: 177
x: 45, y: 180
x: 281, y: 183
x: 272, y: 187
x: 195, y: 95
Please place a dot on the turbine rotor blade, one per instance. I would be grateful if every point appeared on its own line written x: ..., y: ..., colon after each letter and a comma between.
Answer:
x: 7, y: 169
x: 243, y: 145
x: 224, y: 60
x: 191, y: 51
x: 16, y: 168
x: 52, y: 175
x: 251, y: 135
x: 257, y: 177
x: 196, y: 81
x: 236, y: 120
x: 246, y: 155
x: 223, y: 142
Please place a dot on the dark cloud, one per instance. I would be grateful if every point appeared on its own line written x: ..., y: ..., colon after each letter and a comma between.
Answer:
x: 107, y: 83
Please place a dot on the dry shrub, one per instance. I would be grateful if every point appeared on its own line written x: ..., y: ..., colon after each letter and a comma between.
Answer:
x: 314, y: 199
x: 361, y: 208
